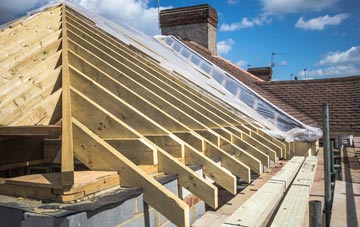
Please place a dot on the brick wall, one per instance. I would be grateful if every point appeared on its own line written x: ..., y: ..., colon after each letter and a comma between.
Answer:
x: 196, y: 23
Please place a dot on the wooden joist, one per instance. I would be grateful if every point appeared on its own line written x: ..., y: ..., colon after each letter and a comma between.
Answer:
x: 33, y: 130
x: 257, y: 210
x: 293, y: 207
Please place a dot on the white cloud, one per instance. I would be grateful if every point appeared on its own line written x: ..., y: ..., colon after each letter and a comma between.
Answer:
x: 334, y: 71
x: 135, y: 13
x: 224, y: 46
x: 241, y: 63
x: 319, y: 23
x: 293, y: 6
x: 351, y: 55
x: 233, y: 2
x: 245, y: 23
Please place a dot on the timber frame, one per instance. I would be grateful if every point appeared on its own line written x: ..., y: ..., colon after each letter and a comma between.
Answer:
x: 116, y: 109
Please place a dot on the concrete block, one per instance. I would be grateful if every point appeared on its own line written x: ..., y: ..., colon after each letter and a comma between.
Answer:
x: 150, y: 216
x: 76, y: 220
x: 136, y: 221
x: 10, y: 217
x: 140, y: 204
x: 168, y: 224
x: 38, y: 220
x: 172, y: 186
x: 199, y: 210
x: 112, y: 214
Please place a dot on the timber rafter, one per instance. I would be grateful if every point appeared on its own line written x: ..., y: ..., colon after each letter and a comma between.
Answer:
x: 119, y: 110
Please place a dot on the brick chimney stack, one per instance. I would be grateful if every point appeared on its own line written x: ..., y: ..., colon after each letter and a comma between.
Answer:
x: 196, y: 23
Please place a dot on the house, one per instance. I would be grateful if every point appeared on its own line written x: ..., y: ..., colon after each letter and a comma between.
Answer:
x: 300, y: 99
x: 103, y: 125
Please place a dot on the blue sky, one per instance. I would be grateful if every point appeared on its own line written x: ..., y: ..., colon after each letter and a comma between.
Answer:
x: 322, y: 36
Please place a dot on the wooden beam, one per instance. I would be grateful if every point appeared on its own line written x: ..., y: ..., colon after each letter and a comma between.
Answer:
x: 154, y: 107
x: 136, y: 151
x: 232, y: 149
x: 194, y: 98
x: 293, y: 207
x: 125, y: 112
x: 262, y: 155
x: 198, y: 142
x: 211, y: 169
x: 188, y: 178
x: 196, y: 157
x: 258, y: 209
x: 67, y: 149
x: 96, y: 154
x: 32, y: 130
x: 21, y: 164
x: 98, y: 119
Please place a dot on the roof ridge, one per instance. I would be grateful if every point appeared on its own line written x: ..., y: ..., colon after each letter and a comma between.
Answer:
x: 323, y: 80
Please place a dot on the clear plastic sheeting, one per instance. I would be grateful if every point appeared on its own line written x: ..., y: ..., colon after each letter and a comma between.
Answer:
x: 205, y: 77
x: 290, y: 128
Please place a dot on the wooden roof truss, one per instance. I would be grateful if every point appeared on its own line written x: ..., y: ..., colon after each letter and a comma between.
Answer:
x: 119, y: 110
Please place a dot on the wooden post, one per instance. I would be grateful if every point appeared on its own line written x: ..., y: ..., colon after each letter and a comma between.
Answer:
x: 67, y: 158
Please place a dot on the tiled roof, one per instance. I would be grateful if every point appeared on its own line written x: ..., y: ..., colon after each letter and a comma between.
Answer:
x: 342, y: 95
x: 253, y: 82
x: 302, y: 99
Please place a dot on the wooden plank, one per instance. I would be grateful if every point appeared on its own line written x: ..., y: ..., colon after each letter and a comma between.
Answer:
x: 277, y: 142
x: 258, y: 141
x: 215, y: 172
x: 170, y: 145
x: 21, y: 164
x: 293, y: 207
x: 257, y: 210
x: 232, y: 205
x: 136, y: 151
x: 116, y: 106
x: 100, y: 121
x: 162, y: 112
x: 188, y: 178
x: 262, y: 155
x: 346, y: 204
x: 252, y: 162
x: 45, y: 112
x: 98, y: 155
x: 27, y: 65
x: 147, y: 95
x: 67, y: 149
x: 32, y: 130
x: 35, y: 38
x: 236, y: 167
x: 129, y: 55
x: 195, y: 157
x: 22, y: 104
